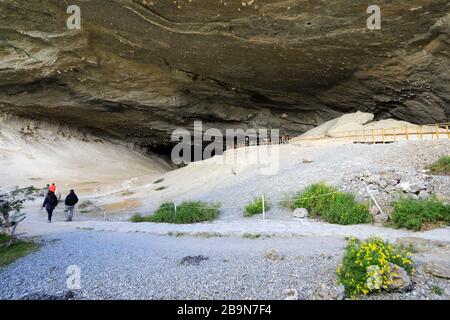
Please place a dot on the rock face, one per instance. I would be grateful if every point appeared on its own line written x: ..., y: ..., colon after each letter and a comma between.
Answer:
x: 138, y: 68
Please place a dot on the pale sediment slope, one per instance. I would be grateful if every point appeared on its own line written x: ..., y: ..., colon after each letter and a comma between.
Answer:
x: 35, y: 153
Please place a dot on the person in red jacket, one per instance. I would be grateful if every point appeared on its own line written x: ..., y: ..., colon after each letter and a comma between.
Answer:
x: 52, y: 188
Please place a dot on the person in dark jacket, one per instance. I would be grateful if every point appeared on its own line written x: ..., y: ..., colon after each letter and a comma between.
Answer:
x: 71, y: 201
x: 50, y: 204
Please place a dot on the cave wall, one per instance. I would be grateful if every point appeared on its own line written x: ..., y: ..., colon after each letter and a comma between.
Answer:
x: 139, y: 69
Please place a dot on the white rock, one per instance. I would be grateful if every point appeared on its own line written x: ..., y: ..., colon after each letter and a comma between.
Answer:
x: 300, y: 213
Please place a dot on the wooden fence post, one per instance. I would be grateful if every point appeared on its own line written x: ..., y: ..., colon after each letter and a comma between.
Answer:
x: 406, y: 133
x: 437, y: 132
x: 395, y: 136
x: 373, y: 136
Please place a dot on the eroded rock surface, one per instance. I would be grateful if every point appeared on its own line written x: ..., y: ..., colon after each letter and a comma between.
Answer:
x: 140, y: 68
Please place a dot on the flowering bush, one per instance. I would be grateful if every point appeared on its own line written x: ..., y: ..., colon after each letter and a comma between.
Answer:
x: 366, y: 265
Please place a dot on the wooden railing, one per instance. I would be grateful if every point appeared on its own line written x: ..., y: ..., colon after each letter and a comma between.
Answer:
x: 387, y: 135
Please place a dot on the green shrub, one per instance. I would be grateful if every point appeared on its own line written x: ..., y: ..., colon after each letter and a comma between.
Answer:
x: 441, y: 166
x: 331, y: 205
x: 365, y: 266
x: 252, y: 236
x: 160, y: 188
x: 414, y: 214
x: 316, y: 198
x: 158, y: 181
x: 186, y: 212
x: 165, y: 213
x: 256, y: 207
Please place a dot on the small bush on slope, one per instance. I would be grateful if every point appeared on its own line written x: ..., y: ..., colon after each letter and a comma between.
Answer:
x: 256, y: 207
x: 413, y: 214
x: 441, y: 166
x: 186, y: 212
x: 331, y: 205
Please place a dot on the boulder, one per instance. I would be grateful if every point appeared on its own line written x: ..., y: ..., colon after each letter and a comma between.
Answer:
x: 423, y: 194
x: 381, y: 218
x: 300, y: 213
x: 411, y: 187
x: 401, y: 281
x: 274, y: 255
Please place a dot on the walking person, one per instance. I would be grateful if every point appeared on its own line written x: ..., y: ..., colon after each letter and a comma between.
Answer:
x: 50, y: 204
x: 71, y: 201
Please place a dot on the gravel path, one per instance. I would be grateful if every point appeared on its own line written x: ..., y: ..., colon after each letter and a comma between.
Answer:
x: 142, y: 266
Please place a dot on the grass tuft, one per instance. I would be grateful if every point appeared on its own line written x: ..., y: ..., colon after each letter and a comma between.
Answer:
x: 256, y: 207
x: 15, y: 251
x: 251, y: 236
x: 186, y: 212
x: 441, y: 166
x: 437, y: 290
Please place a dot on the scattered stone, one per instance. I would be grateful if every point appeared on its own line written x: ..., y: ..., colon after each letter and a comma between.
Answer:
x: 308, y: 159
x: 274, y: 255
x: 300, y: 213
x: 401, y: 281
x: 324, y: 292
x: 423, y: 194
x: 381, y: 218
x: 290, y: 294
x: 193, y: 260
